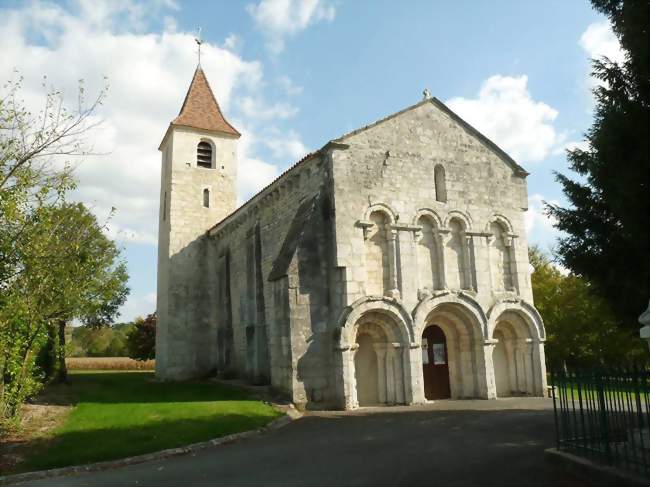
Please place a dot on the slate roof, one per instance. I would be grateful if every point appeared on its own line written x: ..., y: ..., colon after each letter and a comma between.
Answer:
x: 200, y: 108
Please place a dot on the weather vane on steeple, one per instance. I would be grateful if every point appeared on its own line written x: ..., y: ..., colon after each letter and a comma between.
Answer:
x: 199, y: 41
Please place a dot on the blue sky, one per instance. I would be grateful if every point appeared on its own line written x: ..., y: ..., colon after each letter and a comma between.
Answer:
x: 292, y: 74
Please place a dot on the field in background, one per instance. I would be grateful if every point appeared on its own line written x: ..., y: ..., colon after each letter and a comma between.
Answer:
x: 108, y: 363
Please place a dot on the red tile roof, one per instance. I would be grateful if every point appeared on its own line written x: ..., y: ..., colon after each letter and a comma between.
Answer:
x: 200, y: 109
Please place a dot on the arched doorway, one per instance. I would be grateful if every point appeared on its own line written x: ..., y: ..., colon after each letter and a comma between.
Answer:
x: 513, y: 357
x: 379, y: 373
x: 463, y: 345
x: 365, y: 371
x: 435, y: 367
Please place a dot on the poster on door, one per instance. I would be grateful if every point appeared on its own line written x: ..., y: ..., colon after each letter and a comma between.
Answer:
x: 425, y: 355
x: 438, y: 350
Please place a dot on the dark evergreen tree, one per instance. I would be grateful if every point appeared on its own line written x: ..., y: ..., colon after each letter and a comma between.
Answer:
x: 608, y: 222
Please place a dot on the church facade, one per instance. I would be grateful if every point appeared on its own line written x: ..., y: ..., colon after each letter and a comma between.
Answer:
x: 390, y: 266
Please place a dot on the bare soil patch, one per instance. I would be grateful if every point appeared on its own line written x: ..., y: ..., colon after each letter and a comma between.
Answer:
x: 37, y: 421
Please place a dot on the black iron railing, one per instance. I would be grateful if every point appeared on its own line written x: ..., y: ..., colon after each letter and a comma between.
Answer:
x: 604, y: 415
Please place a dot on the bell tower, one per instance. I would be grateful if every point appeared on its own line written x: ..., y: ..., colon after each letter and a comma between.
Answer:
x: 197, y: 189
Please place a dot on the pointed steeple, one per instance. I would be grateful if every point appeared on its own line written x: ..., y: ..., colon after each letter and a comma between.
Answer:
x: 200, y: 109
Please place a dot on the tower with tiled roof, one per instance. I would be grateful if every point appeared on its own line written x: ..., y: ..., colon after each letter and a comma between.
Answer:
x: 198, y: 188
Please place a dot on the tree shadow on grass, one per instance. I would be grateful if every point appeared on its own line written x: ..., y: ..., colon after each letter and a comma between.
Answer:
x: 120, y: 387
x: 83, y: 447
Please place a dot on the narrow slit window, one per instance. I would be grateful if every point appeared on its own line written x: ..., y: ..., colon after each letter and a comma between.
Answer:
x: 206, y: 198
x: 440, y: 183
x: 165, y: 206
x: 204, y: 155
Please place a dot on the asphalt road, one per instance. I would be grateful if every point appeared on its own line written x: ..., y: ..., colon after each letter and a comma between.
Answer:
x: 450, y: 443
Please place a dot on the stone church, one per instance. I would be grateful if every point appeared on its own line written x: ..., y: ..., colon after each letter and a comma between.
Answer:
x: 390, y: 266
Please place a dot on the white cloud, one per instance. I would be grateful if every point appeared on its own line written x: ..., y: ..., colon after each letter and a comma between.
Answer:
x: 253, y: 173
x: 140, y: 305
x: 506, y: 113
x: 149, y: 74
x: 289, y: 86
x: 599, y: 40
x: 286, y: 146
x: 539, y: 226
x: 232, y: 42
x: 278, y: 19
x: 257, y: 109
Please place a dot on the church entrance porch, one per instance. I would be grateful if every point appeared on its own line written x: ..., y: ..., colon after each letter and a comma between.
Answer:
x: 435, y: 369
x: 512, y: 356
x: 378, y: 363
x: 452, y: 356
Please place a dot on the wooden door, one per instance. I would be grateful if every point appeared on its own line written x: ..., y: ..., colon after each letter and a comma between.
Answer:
x: 434, y: 363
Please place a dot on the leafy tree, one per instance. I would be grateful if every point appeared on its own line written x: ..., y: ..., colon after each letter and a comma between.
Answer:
x: 608, y: 222
x: 141, y: 341
x: 34, y: 178
x: 110, y: 341
x: 84, y: 275
x: 580, y: 326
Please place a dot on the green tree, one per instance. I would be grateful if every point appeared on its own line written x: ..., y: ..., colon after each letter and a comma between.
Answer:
x: 85, y: 276
x: 34, y: 178
x: 580, y: 326
x: 141, y: 340
x: 608, y: 222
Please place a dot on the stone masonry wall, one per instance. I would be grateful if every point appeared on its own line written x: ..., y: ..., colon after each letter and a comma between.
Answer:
x: 183, y: 337
x: 390, y: 167
x: 268, y: 343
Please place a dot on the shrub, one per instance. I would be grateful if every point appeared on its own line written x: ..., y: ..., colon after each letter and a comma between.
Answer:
x: 141, y: 341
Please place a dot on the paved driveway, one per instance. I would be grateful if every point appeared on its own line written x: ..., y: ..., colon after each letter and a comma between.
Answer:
x: 444, y: 444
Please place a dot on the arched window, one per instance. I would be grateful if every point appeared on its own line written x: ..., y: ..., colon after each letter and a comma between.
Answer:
x: 439, y: 180
x: 457, y: 277
x: 428, y: 255
x: 204, y: 154
x: 206, y: 198
x: 377, y: 265
x: 500, y: 258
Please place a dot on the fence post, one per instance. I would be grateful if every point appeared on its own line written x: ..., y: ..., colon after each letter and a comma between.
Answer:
x: 557, y: 426
x: 604, y: 426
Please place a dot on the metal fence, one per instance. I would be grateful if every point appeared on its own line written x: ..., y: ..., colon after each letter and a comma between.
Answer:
x: 604, y: 415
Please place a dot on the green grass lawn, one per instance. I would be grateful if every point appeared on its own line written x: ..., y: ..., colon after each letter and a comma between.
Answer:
x: 123, y: 414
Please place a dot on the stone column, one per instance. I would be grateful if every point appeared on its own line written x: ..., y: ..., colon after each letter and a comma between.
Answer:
x: 465, y: 274
x: 380, y: 350
x: 445, y: 236
x: 480, y: 242
x: 511, y: 247
x: 414, y: 357
x: 470, y: 262
x: 490, y: 389
x: 539, y: 367
x: 346, y: 382
x: 391, y: 236
x: 417, y: 236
